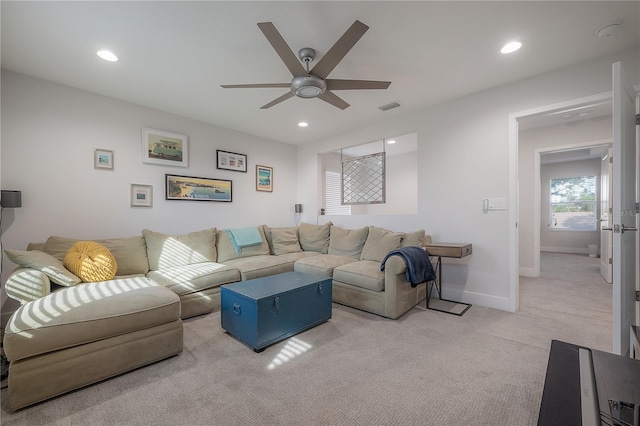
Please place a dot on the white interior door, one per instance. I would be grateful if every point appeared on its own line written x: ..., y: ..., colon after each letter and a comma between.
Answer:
x: 606, y: 212
x: 624, y: 209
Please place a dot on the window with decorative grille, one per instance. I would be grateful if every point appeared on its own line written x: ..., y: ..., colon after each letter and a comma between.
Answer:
x: 363, y: 179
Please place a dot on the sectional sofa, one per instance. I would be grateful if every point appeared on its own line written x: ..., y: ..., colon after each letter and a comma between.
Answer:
x: 161, y: 279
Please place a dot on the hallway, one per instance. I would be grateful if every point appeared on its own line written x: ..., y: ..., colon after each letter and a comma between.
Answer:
x: 572, y: 295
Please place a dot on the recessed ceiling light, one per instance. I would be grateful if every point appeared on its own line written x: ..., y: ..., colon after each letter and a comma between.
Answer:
x: 107, y: 55
x: 303, y: 124
x: 511, y: 47
x: 391, y: 141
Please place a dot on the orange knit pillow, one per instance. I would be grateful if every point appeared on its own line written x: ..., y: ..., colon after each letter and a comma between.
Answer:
x: 91, y: 262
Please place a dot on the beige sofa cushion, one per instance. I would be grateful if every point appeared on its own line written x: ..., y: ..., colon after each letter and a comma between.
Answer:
x: 363, y: 274
x: 315, y: 237
x: 130, y: 252
x: 321, y: 265
x: 44, y: 262
x: 282, y: 240
x: 170, y: 251
x: 285, y: 240
x: 261, y: 266
x: 379, y: 243
x: 189, y: 279
x: 227, y: 252
x: 347, y: 242
x: 98, y: 311
x: 414, y: 238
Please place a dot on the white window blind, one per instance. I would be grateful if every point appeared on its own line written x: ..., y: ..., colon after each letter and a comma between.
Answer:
x: 333, y: 194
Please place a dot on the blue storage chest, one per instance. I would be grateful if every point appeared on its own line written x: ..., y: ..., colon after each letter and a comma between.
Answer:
x: 263, y: 311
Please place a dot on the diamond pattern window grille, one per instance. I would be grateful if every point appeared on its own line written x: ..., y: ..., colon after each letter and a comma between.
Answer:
x: 363, y: 179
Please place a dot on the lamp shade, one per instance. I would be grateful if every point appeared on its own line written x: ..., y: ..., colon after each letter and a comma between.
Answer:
x: 10, y: 199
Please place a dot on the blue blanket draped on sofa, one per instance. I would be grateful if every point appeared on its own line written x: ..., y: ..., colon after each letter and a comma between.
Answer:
x: 244, y: 237
x: 419, y: 267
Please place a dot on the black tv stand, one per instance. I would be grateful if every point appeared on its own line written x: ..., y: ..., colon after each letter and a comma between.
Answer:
x: 617, y: 379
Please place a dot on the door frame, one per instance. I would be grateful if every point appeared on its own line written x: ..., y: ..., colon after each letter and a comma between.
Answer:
x: 537, y: 190
x: 514, y: 247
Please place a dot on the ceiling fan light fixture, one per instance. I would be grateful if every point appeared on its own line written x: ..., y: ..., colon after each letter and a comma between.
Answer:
x: 308, y: 86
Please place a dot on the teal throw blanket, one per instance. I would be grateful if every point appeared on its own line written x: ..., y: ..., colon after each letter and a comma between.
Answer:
x: 244, y: 237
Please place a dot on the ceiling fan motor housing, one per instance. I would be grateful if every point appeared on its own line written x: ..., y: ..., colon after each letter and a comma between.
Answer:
x: 308, y: 86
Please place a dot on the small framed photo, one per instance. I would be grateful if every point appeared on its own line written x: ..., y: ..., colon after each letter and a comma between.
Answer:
x: 166, y: 148
x: 231, y: 161
x: 102, y: 159
x: 264, y: 178
x: 141, y: 195
x: 197, y: 188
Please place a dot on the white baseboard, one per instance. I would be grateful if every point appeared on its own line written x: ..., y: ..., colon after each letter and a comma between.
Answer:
x: 573, y: 250
x: 495, y: 302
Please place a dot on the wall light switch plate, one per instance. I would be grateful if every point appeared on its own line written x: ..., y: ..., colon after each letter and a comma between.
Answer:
x: 497, y: 203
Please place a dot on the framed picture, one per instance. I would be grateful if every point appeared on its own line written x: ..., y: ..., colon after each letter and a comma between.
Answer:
x: 264, y: 178
x: 166, y: 148
x: 102, y: 159
x: 231, y: 161
x: 141, y: 195
x: 197, y: 188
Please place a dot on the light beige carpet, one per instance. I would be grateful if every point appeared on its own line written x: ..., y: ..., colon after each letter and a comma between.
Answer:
x: 427, y: 368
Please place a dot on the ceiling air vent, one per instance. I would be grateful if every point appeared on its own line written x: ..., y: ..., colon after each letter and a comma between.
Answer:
x: 387, y: 107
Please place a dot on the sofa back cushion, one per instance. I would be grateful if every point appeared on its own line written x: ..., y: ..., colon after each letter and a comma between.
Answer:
x: 315, y: 237
x: 415, y: 238
x: 283, y: 240
x: 347, y: 242
x: 168, y: 251
x: 379, y: 243
x: 130, y: 252
x: 226, y: 251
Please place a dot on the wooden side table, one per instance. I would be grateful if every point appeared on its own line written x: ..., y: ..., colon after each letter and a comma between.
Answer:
x: 452, y: 250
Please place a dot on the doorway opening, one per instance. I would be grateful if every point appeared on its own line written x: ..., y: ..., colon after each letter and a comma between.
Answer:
x: 524, y: 226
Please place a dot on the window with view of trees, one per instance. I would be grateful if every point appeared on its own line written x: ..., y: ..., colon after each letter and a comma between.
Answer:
x: 573, y: 203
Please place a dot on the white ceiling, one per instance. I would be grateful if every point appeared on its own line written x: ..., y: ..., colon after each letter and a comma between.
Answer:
x: 175, y: 55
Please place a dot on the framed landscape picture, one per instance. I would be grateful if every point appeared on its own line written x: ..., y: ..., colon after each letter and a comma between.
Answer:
x: 141, y: 195
x: 166, y: 148
x: 231, y: 161
x: 102, y: 159
x: 197, y: 188
x: 264, y: 178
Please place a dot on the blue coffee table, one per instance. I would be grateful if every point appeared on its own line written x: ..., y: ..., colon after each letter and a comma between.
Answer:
x: 263, y: 311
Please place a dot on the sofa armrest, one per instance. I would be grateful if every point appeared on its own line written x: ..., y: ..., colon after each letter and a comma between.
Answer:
x: 399, y: 295
x: 393, y: 266
x: 26, y: 284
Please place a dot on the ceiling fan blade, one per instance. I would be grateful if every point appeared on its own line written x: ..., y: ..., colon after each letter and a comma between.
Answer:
x: 333, y: 99
x: 278, y: 100
x: 282, y: 48
x: 329, y: 61
x: 333, y: 84
x: 252, y: 86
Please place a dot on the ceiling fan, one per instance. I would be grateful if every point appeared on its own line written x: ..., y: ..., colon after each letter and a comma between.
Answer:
x: 314, y: 83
